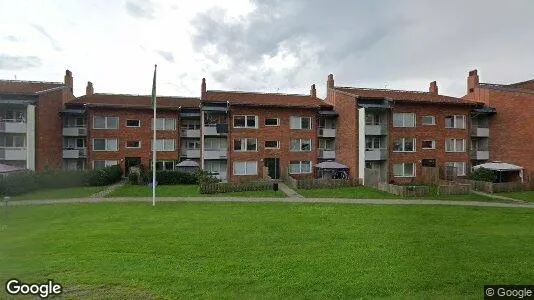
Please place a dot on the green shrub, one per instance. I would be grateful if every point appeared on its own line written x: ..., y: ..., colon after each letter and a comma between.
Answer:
x: 133, y: 178
x: 24, y: 182
x: 105, y: 176
x: 173, y: 177
x: 482, y: 174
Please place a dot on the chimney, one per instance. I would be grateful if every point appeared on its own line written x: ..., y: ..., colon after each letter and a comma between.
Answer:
x: 89, y: 90
x: 203, y: 88
x: 472, y: 81
x: 313, y: 91
x: 433, y: 89
x: 68, y: 80
x: 330, y: 82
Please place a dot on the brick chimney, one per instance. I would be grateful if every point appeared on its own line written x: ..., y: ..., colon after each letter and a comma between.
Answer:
x: 313, y: 91
x: 330, y: 82
x: 472, y: 81
x: 433, y: 88
x: 203, y: 88
x: 89, y: 90
x: 68, y: 80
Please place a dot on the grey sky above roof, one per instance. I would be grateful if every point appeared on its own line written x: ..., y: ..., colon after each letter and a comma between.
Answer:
x: 266, y: 45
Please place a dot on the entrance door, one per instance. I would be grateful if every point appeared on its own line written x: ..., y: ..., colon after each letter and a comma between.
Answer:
x: 273, y: 167
x: 131, y: 162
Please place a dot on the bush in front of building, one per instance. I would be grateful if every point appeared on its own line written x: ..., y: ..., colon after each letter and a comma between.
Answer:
x: 482, y: 174
x: 29, y: 181
x: 173, y: 177
x: 105, y: 176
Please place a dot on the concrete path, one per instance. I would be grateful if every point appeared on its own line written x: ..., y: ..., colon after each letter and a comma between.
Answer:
x: 288, y: 191
x: 103, y: 193
x: 279, y: 200
x: 498, y: 197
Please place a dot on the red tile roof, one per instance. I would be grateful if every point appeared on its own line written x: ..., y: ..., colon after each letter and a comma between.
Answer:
x: 264, y: 99
x: 26, y: 87
x: 407, y: 96
x: 136, y: 101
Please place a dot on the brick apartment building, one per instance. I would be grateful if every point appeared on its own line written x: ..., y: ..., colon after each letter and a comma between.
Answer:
x: 398, y: 132
x: 512, y: 134
x: 30, y: 129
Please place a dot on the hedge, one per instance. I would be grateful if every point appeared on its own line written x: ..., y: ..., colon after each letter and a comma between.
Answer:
x: 173, y: 177
x: 105, y: 176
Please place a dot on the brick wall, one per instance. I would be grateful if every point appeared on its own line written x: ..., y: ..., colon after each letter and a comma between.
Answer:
x: 49, y: 130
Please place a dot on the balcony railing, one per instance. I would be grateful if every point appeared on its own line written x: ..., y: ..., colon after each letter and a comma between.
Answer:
x: 75, y: 131
x: 190, y: 153
x: 479, y: 131
x: 327, y: 132
x: 480, y: 154
x: 326, y: 154
x: 215, y: 129
x: 191, y: 133
x: 13, y: 126
x: 380, y: 129
x: 376, y: 154
x: 215, y: 153
x: 75, y: 153
x: 13, y: 153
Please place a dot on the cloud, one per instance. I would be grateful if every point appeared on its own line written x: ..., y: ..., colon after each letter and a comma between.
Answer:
x: 363, y: 42
x: 142, y: 9
x: 11, y: 38
x: 10, y: 62
x: 168, y: 56
x: 53, y: 41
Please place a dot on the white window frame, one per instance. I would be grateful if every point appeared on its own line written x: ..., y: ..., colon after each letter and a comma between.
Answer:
x: 163, y: 141
x: 133, y: 126
x: 428, y: 124
x: 246, y: 163
x: 164, y: 128
x: 414, y: 140
x: 433, y: 144
x: 454, y: 143
x: 138, y: 147
x: 277, y: 122
x: 414, y: 174
x: 301, y: 163
x: 246, y: 118
x: 404, y: 118
x: 291, y: 118
x: 106, y: 122
x: 107, y: 162
x: 454, y: 118
x: 457, y: 168
x: 243, y: 145
x: 106, y: 144
x: 163, y: 162
x: 277, y: 144
x: 300, y: 145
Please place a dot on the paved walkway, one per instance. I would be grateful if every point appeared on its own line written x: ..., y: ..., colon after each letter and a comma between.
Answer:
x: 103, y: 193
x: 280, y: 200
x: 498, y: 197
x: 288, y: 191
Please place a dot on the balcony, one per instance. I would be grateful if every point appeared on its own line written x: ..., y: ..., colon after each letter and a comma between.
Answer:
x: 219, y: 129
x: 327, y: 132
x: 13, y: 126
x: 480, y: 131
x: 480, y: 154
x: 74, y: 131
x: 376, y: 129
x: 190, y: 153
x: 190, y: 133
x: 215, y: 154
x: 376, y: 154
x: 326, y: 154
x: 13, y: 153
x: 75, y: 153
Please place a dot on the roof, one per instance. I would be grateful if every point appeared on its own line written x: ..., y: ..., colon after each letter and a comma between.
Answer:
x: 27, y: 87
x: 264, y: 99
x: 405, y: 96
x: 499, y: 166
x: 507, y: 88
x: 188, y: 163
x: 528, y: 84
x: 135, y: 101
x: 330, y: 165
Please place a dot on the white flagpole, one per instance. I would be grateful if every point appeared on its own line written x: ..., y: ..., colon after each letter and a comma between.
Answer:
x: 154, y: 141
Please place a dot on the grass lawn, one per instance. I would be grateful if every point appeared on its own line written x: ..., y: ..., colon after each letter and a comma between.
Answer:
x: 76, y: 192
x: 183, y: 191
x: 267, y: 250
x: 360, y: 192
x: 525, y: 195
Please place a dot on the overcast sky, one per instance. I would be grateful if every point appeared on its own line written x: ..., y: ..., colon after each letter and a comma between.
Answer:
x: 266, y: 45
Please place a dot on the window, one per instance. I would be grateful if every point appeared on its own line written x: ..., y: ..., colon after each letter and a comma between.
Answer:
x: 298, y: 145
x: 428, y: 162
x: 80, y: 143
x: 428, y: 120
x: 327, y: 144
x: 165, y: 165
x: 164, y: 124
x: 133, y: 144
x: 100, y: 164
x: 300, y: 167
x: 371, y: 119
x: 245, y: 145
x: 164, y: 145
x: 190, y: 124
x: 105, y: 122
x: 300, y: 122
x: 133, y: 123
x: 454, y: 145
x: 192, y: 144
x: 246, y: 168
x: 272, y: 122
x: 404, y: 170
x: 459, y: 167
x: 215, y: 144
x: 245, y: 121
x: 272, y: 144
x: 404, y: 145
x: 429, y: 145
x: 403, y: 120
x: 372, y: 142
x: 455, y: 122
x: 13, y: 141
x: 105, y: 145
